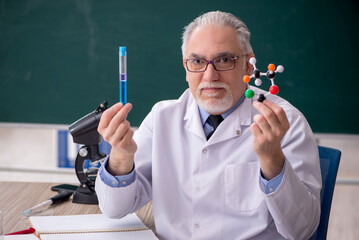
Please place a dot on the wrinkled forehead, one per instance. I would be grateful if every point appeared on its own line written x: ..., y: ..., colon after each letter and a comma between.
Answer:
x: 213, y: 41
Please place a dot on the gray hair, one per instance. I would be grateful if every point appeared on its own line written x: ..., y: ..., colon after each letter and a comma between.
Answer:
x: 221, y: 19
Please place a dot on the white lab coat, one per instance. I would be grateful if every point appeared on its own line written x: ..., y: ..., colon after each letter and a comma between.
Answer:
x: 211, y: 189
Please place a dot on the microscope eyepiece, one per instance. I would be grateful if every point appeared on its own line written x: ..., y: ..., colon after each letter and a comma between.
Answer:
x: 84, y: 130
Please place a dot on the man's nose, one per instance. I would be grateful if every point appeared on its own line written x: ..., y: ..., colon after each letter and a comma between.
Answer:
x: 211, y: 74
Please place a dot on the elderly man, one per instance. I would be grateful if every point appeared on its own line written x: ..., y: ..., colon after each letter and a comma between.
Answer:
x: 215, y: 164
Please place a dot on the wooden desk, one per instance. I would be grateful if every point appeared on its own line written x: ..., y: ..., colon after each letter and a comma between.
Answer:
x: 16, y: 197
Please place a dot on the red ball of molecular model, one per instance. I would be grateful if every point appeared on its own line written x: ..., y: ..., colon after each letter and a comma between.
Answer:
x: 270, y: 74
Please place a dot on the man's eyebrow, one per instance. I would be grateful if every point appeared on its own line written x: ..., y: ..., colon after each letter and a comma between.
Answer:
x: 226, y: 53
x: 195, y: 55
x: 221, y: 54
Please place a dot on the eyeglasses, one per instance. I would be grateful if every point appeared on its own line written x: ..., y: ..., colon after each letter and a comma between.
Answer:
x: 224, y: 63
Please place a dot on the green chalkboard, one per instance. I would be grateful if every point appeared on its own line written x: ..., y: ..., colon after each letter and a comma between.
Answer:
x: 59, y: 59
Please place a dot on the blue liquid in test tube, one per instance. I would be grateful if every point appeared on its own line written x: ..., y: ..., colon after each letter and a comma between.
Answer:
x: 123, y: 74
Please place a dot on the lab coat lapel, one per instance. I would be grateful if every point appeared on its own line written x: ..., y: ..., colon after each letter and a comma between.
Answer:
x: 231, y: 127
x: 192, y: 119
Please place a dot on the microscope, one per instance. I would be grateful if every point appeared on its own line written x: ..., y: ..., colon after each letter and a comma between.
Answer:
x: 84, y: 131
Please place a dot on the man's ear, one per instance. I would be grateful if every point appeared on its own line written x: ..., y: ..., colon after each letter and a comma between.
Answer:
x: 185, y: 68
x: 249, y: 67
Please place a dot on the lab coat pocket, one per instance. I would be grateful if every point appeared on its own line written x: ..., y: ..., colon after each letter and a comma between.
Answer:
x: 242, y: 191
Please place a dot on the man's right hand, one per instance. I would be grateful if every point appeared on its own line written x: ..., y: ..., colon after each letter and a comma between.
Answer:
x: 116, y: 130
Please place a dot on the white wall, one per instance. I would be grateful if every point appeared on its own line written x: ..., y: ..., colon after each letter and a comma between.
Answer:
x: 29, y: 152
x: 33, y: 149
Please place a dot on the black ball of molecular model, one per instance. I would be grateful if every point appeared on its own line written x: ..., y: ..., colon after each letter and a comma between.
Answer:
x: 270, y: 74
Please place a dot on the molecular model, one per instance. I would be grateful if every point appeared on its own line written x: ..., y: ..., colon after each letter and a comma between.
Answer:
x: 270, y: 74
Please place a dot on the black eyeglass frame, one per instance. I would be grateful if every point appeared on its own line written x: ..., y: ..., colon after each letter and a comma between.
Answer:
x: 212, y: 62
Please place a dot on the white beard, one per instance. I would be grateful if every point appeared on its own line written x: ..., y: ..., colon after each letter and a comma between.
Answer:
x: 220, y: 105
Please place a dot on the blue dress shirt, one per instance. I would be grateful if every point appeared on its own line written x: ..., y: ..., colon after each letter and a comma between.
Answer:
x: 116, y: 181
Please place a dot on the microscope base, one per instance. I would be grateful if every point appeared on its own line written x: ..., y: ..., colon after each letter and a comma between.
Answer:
x: 85, y: 196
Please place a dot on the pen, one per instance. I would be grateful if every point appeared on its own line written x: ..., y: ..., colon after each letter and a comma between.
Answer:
x: 123, y: 74
x: 58, y: 198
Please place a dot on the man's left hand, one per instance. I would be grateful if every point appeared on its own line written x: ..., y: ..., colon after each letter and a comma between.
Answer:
x: 268, y: 129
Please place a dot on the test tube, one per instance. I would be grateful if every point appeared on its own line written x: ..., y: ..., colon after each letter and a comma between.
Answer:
x: 123, y: 74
